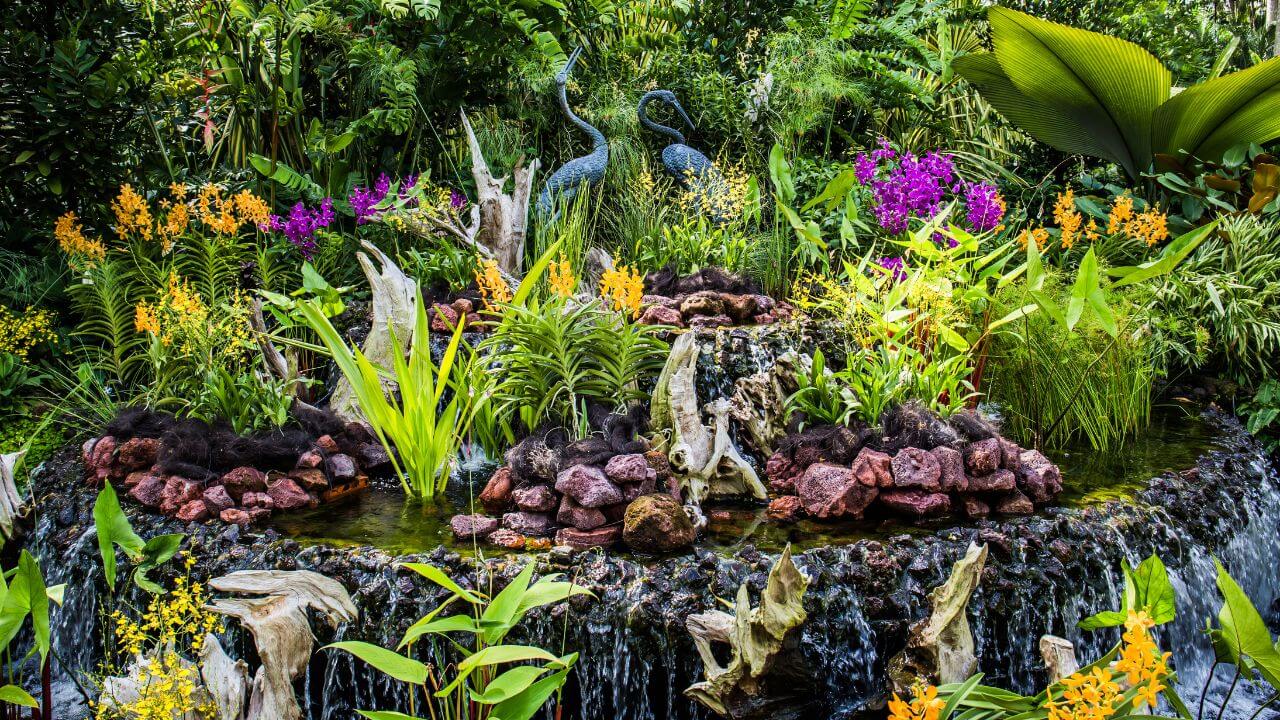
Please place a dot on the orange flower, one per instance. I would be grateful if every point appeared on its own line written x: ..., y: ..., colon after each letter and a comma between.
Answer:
x: 924, y: 705
x: 623, y: 288
x: 70, y: 236
x: 562, y: 280
x: 133, y: 215
x: 1068, y: 218
x: 493, y: 288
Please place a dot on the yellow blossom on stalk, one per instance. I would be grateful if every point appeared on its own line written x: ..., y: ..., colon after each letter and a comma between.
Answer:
x: 718, y: 197
x: 1087, y: 696
x: 70, y: 236
x: 175, y: 223
x: 133, y: 215
x: 178, y: 191
x: 924, y: 704
x: 1121, y: 214
x: 216, y: 211
x: 1141, y: 661
x: 1150, y: 227
x: 1039, y: 236
x: 252, y: 209
x: 623, y: 288
x: 145, y: 320
x: 1067, y: 218
x: 493, y: 288
x: 20, y: 333
x: 562, y: 280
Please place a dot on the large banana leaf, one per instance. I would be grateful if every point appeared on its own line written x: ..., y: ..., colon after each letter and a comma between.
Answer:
x: 1209, y: 118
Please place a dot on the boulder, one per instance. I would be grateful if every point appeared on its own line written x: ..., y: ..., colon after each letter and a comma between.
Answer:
x: 193, y: 511
x: 588, y: 486
x: 242, y: 480
x: 341, y: 468
x: 916, y: 469
x: 705, y: 302
x: 372, y: 456
x: 1010, y: 454
x: 785, y: 509
x: 466, y: 527
x: 631, y: 491
x: 983, y: 457
x: 710, y: 321
x: 658, y: 460
x: 974, y: 507
x: 312, y: 479
x: 328, y: 444
x: 137, y: 453
x: 952, y: 464
x: 178, y: 491
x: 660, y: 315
x: 443, y: 318
x: 535, y: 498
x: 509, y: 539
x: 873, y: 468
x: 1038, y: 477
x: 740, y: 307
x: 496, y: 496
x: 216, y: 499
x: 252, y: 500
x: 630, y: 468
x: 99, y: 457
x: 527, y: 523
x: 782, y: 473
x: 149, y: 490
x: 463, y: 306
x: 1014, y: 503
x: 288, y: 495
x: 999, y: 481
x: 587, y: 539
x: 657, y: 524
x: 916, y: 503
x: 235, y: 516
x: 309, y: 460
x: 136, y: 477
x: 647, y: 301
x: 764, y: 303
x: 583, y: 518
x: 258, y: 514
x: 828, y: 491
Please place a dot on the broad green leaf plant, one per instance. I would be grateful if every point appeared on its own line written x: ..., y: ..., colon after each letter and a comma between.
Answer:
x: 484, y: 683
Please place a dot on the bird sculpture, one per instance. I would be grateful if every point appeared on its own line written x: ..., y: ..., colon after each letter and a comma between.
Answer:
x: 691, y: 169
x: 589, y: 169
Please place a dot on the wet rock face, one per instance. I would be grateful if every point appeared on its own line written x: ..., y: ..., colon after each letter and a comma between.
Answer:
x: 657, y: 524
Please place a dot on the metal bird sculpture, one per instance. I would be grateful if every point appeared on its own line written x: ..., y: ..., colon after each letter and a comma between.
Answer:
x: 589, y: 169
x: 691, y: 169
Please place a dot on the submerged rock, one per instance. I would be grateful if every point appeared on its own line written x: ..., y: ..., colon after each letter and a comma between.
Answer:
x: 472, y: 526
x: 657, y: 524
x: 496, y: 496
x: 587, y: 539
x: 831, y: 491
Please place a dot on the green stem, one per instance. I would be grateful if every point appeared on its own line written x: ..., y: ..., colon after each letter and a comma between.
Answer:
x: 1264, y: 706
x: 1230, y: 691
x: 1204, y: 691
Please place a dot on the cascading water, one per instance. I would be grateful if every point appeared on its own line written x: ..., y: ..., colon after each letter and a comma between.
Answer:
x: 1044, y: 574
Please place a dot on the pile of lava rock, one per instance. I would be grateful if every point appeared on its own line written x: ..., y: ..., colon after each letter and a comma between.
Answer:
x: 444, y: 317
x: 958, y: 468
x: 709, y: 298
x: 194, y: 472
x: 579, y: 497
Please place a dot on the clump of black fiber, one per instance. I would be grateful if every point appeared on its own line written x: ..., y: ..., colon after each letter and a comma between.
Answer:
x: 911, y: 424
x: 972, y: 426
x: 138, y: 422
x: 669, y: 283
x: 537, y: 457
x: 825, y: 443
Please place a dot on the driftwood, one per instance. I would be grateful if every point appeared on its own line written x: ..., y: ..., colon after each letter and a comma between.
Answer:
x: 226, y: 680
x: 703, y: 456
x: 759, y: 401
x: 940, y: 647
x: 122, y: 690
x: 281, y: 632
x: 394, y: 297
x: 10, y: 501
x: 1059, y: 657
x: 755, y: 637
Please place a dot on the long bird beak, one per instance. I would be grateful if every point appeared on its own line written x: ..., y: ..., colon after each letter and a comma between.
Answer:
x: 563, y: 75
x: 683, y: 114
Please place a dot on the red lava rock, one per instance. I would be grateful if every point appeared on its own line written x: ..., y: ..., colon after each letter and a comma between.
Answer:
x: 312, y: 478
x: 138, y: 453
x: 527, y: 523
x: 216, y: 499
x: 631, y: 491
x: 342, y: 468
x: 828, y: 491
x: 659, y: 462
x: 359, y: 432
x: 1015, y: 503
x: 587, y: 539
x: 193, y: 511
x: 258, y: 514
x: 983, y: 456
x: 465, y: 527
x: 535, y: 498
x: 660, y: 300
x: 473, y: 319
x: 288, y: 495
x: 952, y: 464
x: 1038, y: 477
x: 703, y: 302
x: 252, y: 500
x: 134, y: 478
x: 372, y: 456
x: 178, y: 491
x: 764, y: 319
x: 462, y: 306
x: 309, y: 460
x: 785, y: 509
x: 588, y: 486
x: 234, y: 515
x: 916, y: 503
x: 873, y: 468
x: 975, y: 508
x: 916, y: 469
x: 1009, y: 454
x: 660, y: 315
x: 740, y: 307
x: 99, y: 458
x: 443, y: 318
x: 630, y: 468
x: 710, y: 321
x: 244, y: 479
x: 496, y: 496
x: 149, y: 491
x: 509, y: 539
x: 781, y: 473
x: 328, y: 444
x: 999, y: 481
x: 582, y: 518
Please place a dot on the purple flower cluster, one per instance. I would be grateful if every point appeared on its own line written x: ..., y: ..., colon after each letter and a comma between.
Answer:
x: 894, y: 266
x: 905, y: 186
x: 364, y: 200
x: 301, y: 225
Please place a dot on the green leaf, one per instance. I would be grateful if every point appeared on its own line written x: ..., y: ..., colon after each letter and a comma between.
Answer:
x: 156, y: 552
x: 835, y: 191
x: 24, y: 156
x: 385, y: 661
x: 387, y: 715
x: 1244, y: 630
x: 498, y: 654
x: 527, y: 703
x: 453, y: 623
x: 15, y: 695
x: 546, y: 591
x: 953, y: 338
x: 286, y: 176
x: 508, y: 684
x: 501, y: 610
x: 438, y: 576
x: 1172, y: 255
x: 1109, y: 618
x: 1153, y: 590
x: 1208, y: 119
x: 113, y: 528
x: 780, y: 174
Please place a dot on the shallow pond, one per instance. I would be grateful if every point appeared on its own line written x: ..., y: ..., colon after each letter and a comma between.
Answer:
x: 384, y: 519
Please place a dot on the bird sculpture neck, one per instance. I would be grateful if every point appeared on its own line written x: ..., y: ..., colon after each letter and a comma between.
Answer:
x: 597, y: 138
x: 656, y: 127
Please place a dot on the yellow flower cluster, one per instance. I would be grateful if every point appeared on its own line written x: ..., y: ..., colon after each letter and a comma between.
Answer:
x: 1141, y: 661
x: 178, y: 619
x: 623, y: 288
x: 1150, y: 226
x: 722, y: 197
x: 1087, y: 696
x: 226, y: 215
x: 1069, y: 219
x: 493, y: 288
x: 168, y: 688
x: 20, y: 333
x: 133, y: 215
x: 1039, y: 236
x: 70, y: 236
x: 924, y: 704
x: 181, y: 319
x: 562, y: 281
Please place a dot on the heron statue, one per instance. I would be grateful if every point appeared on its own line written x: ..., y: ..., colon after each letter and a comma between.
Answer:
x: 588, y: 169
x: 692, y: 170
